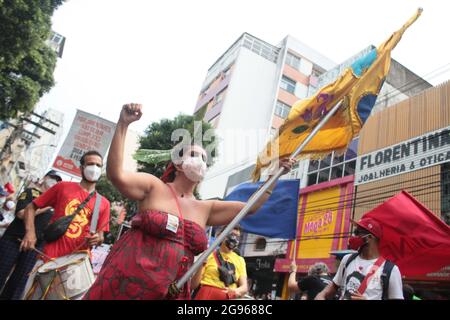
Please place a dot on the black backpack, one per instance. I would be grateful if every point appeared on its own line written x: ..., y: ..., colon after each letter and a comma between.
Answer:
x: 385, y: 276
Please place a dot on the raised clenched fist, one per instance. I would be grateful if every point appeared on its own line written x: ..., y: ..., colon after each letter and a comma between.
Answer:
x: 130, y: 112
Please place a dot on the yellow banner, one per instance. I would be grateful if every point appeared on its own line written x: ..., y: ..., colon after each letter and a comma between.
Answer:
x: 357, y: 87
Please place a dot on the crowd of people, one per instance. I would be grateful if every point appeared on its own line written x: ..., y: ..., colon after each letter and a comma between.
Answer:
x: 54, y: 219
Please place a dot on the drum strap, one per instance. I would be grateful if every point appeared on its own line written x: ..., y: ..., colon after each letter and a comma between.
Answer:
x: 94, y: 221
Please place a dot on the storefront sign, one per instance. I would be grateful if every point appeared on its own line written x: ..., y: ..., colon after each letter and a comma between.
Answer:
x: 418, y: 153
x: 323, y: 222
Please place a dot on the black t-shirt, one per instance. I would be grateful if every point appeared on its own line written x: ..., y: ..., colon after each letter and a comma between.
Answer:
x: 16, y: 229
x: 312, y: 285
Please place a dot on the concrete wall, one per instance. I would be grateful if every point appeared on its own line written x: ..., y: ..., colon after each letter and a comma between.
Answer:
x: 244, y: 121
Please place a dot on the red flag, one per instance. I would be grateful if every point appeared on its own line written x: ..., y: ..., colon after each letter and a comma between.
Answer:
x: 415, y: 239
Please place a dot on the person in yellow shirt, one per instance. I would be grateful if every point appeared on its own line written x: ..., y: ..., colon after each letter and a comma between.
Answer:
x: 224, y: 274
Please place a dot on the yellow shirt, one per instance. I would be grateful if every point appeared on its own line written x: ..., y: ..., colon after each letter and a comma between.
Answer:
x: 210, y: 276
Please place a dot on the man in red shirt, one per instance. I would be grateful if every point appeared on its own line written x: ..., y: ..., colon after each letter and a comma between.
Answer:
x: 65, y: 197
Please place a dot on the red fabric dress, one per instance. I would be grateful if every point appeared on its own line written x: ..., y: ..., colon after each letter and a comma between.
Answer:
x: 148, y: 258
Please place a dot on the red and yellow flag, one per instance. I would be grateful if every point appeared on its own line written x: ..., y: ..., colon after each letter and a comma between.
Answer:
x: 357, y: 87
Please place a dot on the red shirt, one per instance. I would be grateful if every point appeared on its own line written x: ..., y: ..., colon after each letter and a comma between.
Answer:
x: 65, y: 197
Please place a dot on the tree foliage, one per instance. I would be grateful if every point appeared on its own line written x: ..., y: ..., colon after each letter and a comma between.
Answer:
x: 26, y: 62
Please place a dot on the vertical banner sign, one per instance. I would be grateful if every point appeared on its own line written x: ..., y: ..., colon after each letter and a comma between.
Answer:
x: 88, y: 132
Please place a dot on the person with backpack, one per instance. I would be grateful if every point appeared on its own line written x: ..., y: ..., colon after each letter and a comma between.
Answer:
x: 224, y: 274
x: 316, y: 280
x: 365, y: 275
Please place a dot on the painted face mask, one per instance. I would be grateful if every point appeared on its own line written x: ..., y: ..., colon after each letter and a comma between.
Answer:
x: 232, y: 241
x: 92, y: 173
x: 194, y: 168
x: 356, y: 242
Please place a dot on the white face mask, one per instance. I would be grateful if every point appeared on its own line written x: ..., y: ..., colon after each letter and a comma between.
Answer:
x: 10, y: 204
x: 194, y: 168
x: 2, y: 201
x: 48, y: 183
x: 92, y: 173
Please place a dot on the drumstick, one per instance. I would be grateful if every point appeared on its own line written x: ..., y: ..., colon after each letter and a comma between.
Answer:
x: 39, y: 251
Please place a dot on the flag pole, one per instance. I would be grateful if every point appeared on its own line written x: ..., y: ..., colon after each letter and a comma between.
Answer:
x: 253, y: 199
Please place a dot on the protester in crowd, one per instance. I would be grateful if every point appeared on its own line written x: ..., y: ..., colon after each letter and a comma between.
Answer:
x: 69, y: 198
x: 169, y: 229
x: 365, y: 274
x: 318, y: 278
x: 6, y: 211
x: 12, y: 258
x: 9, y: 188
x: 224, y: 274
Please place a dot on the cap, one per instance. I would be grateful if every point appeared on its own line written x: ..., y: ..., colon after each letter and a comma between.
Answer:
x: 54, y: 174
x: 370, y: 225
x: 9, y: 188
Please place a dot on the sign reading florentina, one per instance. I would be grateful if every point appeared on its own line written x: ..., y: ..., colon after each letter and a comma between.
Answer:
x: 424, y: 151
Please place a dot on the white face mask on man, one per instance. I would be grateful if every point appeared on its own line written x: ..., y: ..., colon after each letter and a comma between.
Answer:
x: 49, y: 182
x: 92, y: 173
x: 10, y: 205
x: 194, y: 168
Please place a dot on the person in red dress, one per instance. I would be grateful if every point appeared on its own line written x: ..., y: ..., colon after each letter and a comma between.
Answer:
x: 169, y: 229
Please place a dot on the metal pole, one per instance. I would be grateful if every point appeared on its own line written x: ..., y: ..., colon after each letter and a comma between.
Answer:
x: 255, y: 197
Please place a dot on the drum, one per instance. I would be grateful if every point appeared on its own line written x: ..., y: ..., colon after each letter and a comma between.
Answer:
x: 65, y: 278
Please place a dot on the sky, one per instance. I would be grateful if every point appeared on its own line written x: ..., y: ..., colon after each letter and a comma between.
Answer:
x: 158, y: 52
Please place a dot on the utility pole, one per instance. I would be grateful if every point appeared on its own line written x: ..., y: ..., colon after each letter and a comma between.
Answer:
x: 27, y: 136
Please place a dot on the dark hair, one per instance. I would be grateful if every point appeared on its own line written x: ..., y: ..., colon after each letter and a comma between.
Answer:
x: 236, y: 227
x: 90, y: 153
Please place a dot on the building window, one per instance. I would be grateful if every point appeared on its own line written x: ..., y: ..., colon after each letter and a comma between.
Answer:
x: 287, y: 84
x: 334, y: 166
x: 56, y: 38
x: 220, y: 96
x: 445, y: 192
x: 265, y: 50
x: 293, y: 61
x: 282, y: 109
x: 260, y: 244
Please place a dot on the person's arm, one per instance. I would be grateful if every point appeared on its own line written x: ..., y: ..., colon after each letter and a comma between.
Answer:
x: 328, y: 292
x: 292, y: 282
x: 133, y: 185
x: 242, y: 288
x: 29, y: 240
x: 95, y: 239
x: 21, y: 213
x: 46, y: 199
x: 223, y: 212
